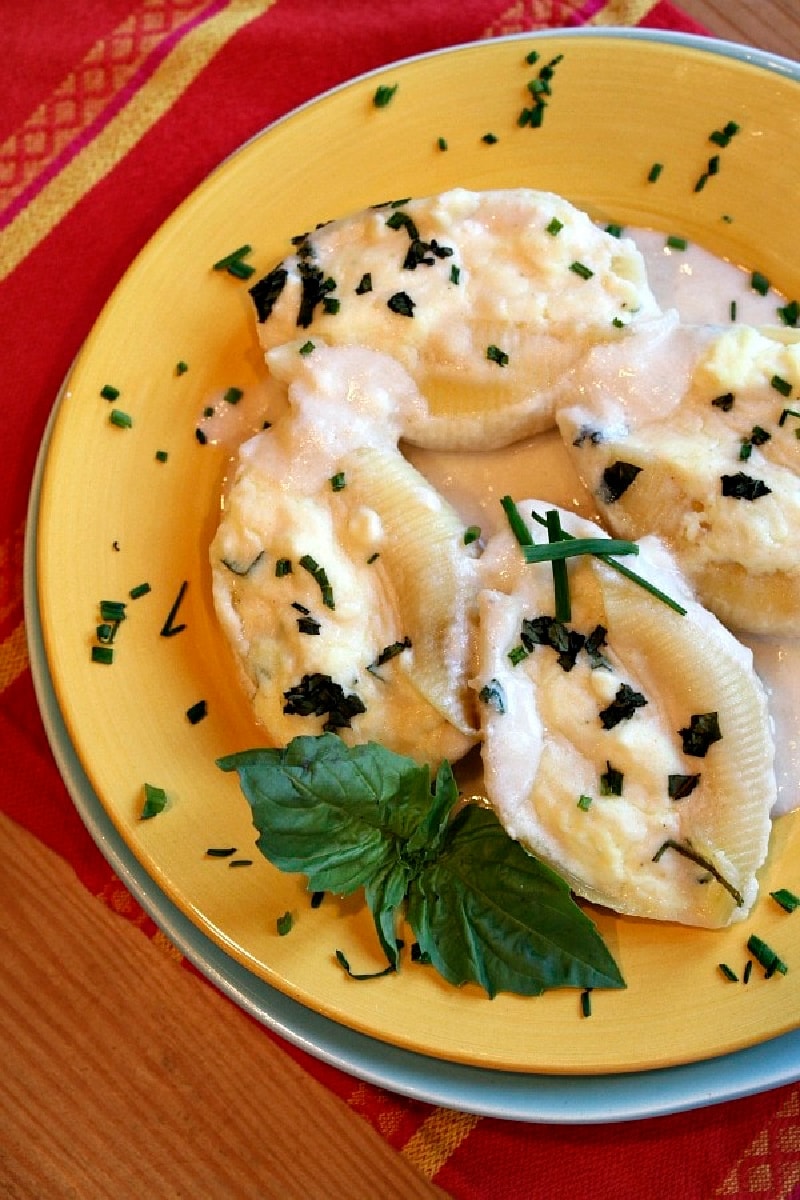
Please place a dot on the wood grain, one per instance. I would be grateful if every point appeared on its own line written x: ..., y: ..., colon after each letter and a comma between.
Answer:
x: 124, y: 1076
x: 772, y: 25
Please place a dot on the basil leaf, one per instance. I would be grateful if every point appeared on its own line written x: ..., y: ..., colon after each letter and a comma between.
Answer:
x: 487, y: 912
x: 340, y: 816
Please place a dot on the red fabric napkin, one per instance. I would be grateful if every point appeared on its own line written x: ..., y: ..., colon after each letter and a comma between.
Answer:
x: 111, y: 112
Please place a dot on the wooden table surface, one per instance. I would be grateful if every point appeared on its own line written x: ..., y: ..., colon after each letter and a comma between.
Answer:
x: 130, y: 1031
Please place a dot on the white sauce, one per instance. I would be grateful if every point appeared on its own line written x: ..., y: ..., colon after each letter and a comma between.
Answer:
x: 701, y: 287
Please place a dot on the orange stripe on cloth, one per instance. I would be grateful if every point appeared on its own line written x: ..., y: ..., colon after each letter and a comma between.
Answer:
x: 437, y: 1138
x: 770, y: 1166
x: 622, y: 12
x: 67, y: 147
x: 13, y: 656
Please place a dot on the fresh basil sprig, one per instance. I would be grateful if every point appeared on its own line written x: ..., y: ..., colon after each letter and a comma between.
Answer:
x: 482, y: 909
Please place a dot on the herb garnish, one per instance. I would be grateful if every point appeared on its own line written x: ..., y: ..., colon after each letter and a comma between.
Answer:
x: 687, y: 852
x: 496, y: 355
x: 155, y: 801
x: 402, y: 304
x: 743, y: 487
x: 611, y: 781
x: 197, y: 712
x: 234, y: 263
x: 787, y: 900
x: 267, y: 291
x: 482, y: 910
x: 319, y: 574
x: 766, y: 957
x: 384, y: 94
x: 681, y: 786
x: 169, y: 628
x: 616, y: 480
x: 493, y: 696
x: 700, y: 734
x: 318, y: 695
x: 622, y: 707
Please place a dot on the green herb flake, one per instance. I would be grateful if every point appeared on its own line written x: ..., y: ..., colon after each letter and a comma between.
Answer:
x: 622, y: 707
x: 724, y: 402
x: 611, y: 781
x: 284, y: 924
x: 481, y: 909
x: 200, y: 436
x: 496, y: 355
x: 490, y: 139
x: 161, y: 456
x: 320, y: 696
x: 283, y: 566
x: 455, y: 273
x: 181, y: 367
x: 220, y: 851
x: 790, y: 314
x: 384, y: 94
x: 306, y: 348
x: 743, y: 487
x: 493, y: 695
x: 338, y: 482
x: 402, y: 304
x: 197, y: 712
x: 364, y: 285
x: 701, y: 733
x: 233, y: 395
x: 103, y: 654
x: 677, y: 243
x: 234, y: 263
x: 766, y: 957
x: 748, y: 971
x: 614, y: 230
x: 781, y: 385
x: 109, y: 392
x: 581, y: 270
x: 471, y: 534
x: 686, y: 851
x: 655, y: 172
x: 169, y: 628
x: 141, y: 589
x: 787, y: 900
x: 728, y: 973
x: 586, y: 1002
x: 532, y: 57
x: 554, y: 227
x: 441, y: 143
x: 155, y: 801
x: 121, y: 419
x: 584, y: 803
x: 733, y: 310
x: 681, y: 786
x: 759, y: 283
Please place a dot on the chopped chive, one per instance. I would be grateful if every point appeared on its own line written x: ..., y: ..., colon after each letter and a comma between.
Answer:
x: 384, y: 95
x: 109, y: 392
x: 120, y: 418
x: 169, y: 628
x: 766, y: 957
x: 141, y: 589
x: 677, y: 243
x: 441, y: 143
x: 102, y: 654
x: 687, y: 852
x: 306, y: 348
x: 781, y: 385
x: 531, y: 57
x: 284, y: 924
x: 759, y: 283
x: 402, y: 304
x: 748, y: 971
x: 161, y: 456
x: 112, y: 610
x: 283, y: 566
x: 586, y: 1002
x: 584, y: 803
x: 220, y: 851
x: 571, y: 547
x: 790, y: 313
x: 455, y: 273
x: 654, y: 172
x: 208, y: 411
x: 331, y: 305
x: 728, y: 973
x: 787, y: 412
x: 614, y: 230
x: 580, y: 269
x: 517, y: 655
x: 320, y: 575
x: 155, y: 801
x: 364, y: 284
x: 241, y: 862
x: 490, y: 139
x: 341, y: 958
x: 234, y: 263
x: 233, y: 395
x: 611, y: 781
x: 197, y: 712
x: 338, y: 481
x: 559, y: 568
x: 200, y: 436
x: 373, y: 557
x: 471, y: 534
x: 555, y: 227
x: 181, y: 367
x: 515, y: 520
x: 316, y: 899
x: 786, y: 899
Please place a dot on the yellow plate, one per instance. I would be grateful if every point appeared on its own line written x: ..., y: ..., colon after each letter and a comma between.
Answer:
x: 112, y: 516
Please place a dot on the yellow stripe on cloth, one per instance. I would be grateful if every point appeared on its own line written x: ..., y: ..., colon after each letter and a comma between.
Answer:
x: 166, y: 85
x: 623, y: 12
x: 439, y: 1136
x: 13, y: 656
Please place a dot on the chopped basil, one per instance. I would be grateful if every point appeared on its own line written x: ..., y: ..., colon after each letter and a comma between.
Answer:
x: 220, y: 851
x: 441, y: 143
x: 308, y: 625
x: 616, y: 480
x: 614, y: 230
x: 493, y: 695
x: 389, y: 652
x: 721, y: 137
x: 790, y: 313
x: 490, y: 139
x: 611, y: 781
x: 161, y: 456
x: 622, y: 707
x: 681, y: 786
x: 455, y: 273
x: 155, y: 801
x: 197, y: 712
x: 318, y: 695
x: 496, y: 355
x: 267, y: 291
x: 700, y: 734
x: 743, y: 487
x: 402, y: 304
x: 364, y: 284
